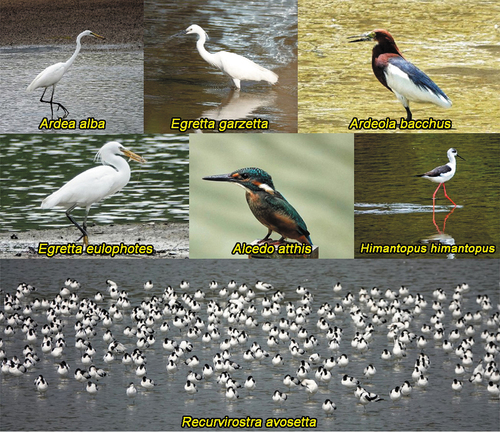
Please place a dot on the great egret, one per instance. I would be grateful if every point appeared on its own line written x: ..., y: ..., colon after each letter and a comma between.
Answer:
x: 53, y: 74
x: 94, y: 184
x: 236, y: 67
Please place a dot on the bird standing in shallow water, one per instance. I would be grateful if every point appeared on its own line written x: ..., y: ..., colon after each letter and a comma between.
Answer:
x: 400, y: 76
x: 329, y: 406
x: 269, y: 207
x: 50, y: 76
x: 236, y: 67
x: 367, y: 397
x: 131, y: 390
x: 443, y: 173
x: 94, y: 184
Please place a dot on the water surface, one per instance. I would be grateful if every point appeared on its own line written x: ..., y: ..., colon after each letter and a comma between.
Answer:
x: 455, y: 43
x: 105, y: 84
x: 433, y: 408
x: 392, y: 206
x: 179, y: 83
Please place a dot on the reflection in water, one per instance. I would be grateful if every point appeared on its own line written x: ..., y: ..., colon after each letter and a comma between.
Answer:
x: 445, y: 219
x: 179, y: 83
x: 163, y: 407
x: 444, y: 239
x: 407, y: 208
x: 441, y: 237
x: 238, y: 105
x: 393, y: 206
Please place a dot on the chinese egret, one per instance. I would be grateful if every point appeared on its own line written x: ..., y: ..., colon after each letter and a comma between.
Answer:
x: 400, y: 76
x: 236, y: 67
x: 53, y: 74
x: 443, y: 173
x: 94, y: 184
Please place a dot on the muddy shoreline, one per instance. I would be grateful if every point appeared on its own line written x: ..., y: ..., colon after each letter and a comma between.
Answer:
x: 59, y: 22
x: 169, y: 240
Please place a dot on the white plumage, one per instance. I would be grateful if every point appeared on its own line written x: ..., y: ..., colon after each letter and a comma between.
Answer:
x: 53, y: 74
x: 94, y: 184
x: 236, y: 67
x: 406, y: 91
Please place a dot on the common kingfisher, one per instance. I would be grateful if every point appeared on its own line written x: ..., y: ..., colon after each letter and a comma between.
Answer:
x: 400, y: 76
x: 269, y: 207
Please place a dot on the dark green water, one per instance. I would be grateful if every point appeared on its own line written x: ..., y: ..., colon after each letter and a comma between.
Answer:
x: 34, y: 166
x: 392, y: 206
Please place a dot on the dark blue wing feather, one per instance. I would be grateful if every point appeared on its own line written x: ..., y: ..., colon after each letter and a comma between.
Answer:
x: 417, y: 77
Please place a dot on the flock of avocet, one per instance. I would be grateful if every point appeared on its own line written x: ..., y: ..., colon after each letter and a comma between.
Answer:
x: 230, y: 320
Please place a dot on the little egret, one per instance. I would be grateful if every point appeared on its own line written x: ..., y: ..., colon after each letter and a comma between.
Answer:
x: 400, y: 76
x: 236, y: 67
x: 442, y: 174
x: 94, y: 184
x: 53, y: 74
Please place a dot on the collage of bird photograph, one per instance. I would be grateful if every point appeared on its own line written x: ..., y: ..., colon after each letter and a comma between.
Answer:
x: 265, y: 215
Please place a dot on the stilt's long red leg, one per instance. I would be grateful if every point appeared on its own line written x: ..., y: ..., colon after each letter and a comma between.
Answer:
x: 435, y: 192
x: 446, y: 195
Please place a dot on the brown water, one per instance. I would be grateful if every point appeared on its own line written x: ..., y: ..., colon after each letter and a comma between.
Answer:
x: 455, y: 43
x: 179, y: 83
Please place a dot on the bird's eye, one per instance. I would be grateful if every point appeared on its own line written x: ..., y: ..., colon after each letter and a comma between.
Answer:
x: 244, y: 176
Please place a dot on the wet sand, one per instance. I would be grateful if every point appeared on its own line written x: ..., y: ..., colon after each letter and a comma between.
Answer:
x: 170, y: 240
x: 53, y: 22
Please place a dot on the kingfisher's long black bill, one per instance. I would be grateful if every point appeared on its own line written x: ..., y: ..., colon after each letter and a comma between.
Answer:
x: 220, y: 177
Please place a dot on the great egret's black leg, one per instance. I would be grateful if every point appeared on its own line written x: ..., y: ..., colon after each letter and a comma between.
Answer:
x: 66, y: 112
x: 51, y: 102
x: 82, y: 230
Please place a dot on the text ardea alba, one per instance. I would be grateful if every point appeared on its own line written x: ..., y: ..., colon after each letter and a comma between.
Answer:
x: 53, y: 74
x: 94, y: 184
x: 236, y: 67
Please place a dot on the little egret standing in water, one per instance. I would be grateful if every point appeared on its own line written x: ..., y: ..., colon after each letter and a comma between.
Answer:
x: 53, y: 74
x: 94, y: 184
x: 400, y: 76
x: 236, y: 67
